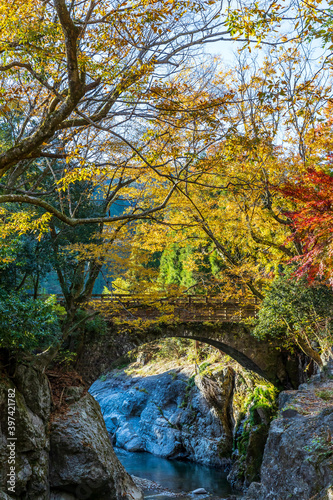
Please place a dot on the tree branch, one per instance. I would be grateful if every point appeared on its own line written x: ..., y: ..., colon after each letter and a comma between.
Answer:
x: 71, y: 221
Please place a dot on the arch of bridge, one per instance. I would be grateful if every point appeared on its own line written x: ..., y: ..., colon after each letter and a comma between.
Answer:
x: 98, y: 353
x: 235, y: 339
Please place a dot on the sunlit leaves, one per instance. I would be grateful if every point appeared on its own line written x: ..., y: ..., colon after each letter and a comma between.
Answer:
x: 22, y: 222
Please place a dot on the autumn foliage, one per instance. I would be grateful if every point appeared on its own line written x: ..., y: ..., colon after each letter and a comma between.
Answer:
x: 124, y: 146
x: 312, y: 222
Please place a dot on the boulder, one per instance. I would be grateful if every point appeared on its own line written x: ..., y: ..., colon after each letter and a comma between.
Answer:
x: 83, y: 462
x: 298, y: 457
x: 171, y: 414
x: 32, y: 410
x: 127, y: 438
x: 199, y: 491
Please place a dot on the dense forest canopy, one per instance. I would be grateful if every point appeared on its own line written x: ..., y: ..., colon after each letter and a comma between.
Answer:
x: 123, y: 143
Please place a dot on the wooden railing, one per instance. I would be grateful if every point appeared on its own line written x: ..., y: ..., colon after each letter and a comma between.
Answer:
x: 196, y: 308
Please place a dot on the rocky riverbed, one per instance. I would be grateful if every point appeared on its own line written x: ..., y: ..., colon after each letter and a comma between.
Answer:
x: 172, y: 411
x: 188, y: 412
x: 153, y: 490
x: 148, y: 486
x: 64, y: 450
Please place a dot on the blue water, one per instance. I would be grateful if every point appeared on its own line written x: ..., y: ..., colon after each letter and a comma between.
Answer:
x: 175, y: 475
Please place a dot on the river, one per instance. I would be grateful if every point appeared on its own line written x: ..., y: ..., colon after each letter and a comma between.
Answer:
x: 175, y: 475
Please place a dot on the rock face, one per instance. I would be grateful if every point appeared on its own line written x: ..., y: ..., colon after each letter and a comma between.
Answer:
x: 249, y: 441
x: 298, y: 457
x: 82, y: 460
x: 163, y: 415
x: 171, y: 413
x: 56, y: 465
x: 32, y: 411
x: 246, y: 467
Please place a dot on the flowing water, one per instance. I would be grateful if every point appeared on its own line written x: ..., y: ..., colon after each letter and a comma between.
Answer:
x: 175, y: 475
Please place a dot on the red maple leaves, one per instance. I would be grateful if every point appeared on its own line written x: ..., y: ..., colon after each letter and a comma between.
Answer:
x: 313, y: 222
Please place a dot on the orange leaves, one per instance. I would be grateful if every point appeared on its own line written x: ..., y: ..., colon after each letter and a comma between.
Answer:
x: 123, y: 114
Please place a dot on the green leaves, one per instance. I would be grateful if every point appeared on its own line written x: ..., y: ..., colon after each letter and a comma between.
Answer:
x: 294, y: 311
x: 27, y: 324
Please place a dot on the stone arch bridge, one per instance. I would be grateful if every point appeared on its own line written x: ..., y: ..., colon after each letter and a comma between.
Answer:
x: 205, y: 319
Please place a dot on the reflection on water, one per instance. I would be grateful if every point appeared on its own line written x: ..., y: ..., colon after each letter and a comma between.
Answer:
x: 175, y: 475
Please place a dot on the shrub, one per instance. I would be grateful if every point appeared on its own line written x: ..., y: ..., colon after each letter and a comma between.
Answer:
x: 295, y: 311
x: 27, y: 324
